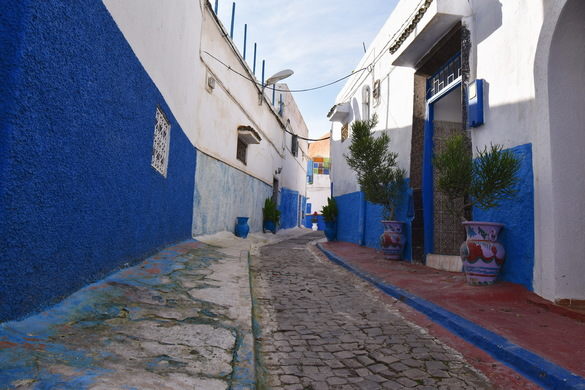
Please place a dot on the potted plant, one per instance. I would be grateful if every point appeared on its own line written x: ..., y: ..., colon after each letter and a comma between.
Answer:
x: 484, y: 183
x: 271, y: 216
x: 314, y: 221
x: 329, y: 212
x: 380, y: 179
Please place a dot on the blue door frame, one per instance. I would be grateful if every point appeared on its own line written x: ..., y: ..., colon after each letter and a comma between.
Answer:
x: 428, y: 208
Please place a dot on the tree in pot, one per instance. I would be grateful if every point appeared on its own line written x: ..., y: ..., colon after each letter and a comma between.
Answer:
x: 329, y: 212
x: 484, y: 182
x: 380, y: 179
x: 271, y: 215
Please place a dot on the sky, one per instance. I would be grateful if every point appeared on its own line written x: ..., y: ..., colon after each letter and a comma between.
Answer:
x: 320, y: 40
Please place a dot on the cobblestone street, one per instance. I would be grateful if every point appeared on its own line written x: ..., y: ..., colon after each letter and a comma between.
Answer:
x: 322, y: 327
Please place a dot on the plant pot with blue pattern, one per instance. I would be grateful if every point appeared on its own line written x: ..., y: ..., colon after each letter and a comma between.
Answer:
x: 393, y: 240
x: 481, y: 253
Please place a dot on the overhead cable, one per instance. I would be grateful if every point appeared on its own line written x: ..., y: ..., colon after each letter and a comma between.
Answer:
x: 278, y: 89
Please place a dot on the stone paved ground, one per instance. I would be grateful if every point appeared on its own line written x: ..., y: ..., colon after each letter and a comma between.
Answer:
x: 322, y: 327
x: 179, y: 320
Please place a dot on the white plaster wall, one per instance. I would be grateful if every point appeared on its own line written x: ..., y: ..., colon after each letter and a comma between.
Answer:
x: 393, y: 108
x: 318, y: 192
x: 171, y: 41
x: 506, y: 34
x: 165, y: 36
x: 567, y: 125
x: 546, y: 245
x: 293, y: 175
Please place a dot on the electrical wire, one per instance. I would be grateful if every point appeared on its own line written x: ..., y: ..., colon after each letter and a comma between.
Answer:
x: 308, y: 139
x: 283, y: 90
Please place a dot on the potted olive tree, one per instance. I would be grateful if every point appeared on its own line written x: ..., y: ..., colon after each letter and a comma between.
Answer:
x: 483, y: 183
x: 329, y: 212
x: 271, y: 215
x: 380, y: 179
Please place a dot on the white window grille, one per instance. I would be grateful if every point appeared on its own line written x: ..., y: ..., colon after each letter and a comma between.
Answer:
x: 160, y: 147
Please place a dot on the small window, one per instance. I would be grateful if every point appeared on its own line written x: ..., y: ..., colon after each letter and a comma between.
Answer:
x: 376, y: 92
x: 294, y: 147
x: 160, y: 147
x: 242, y: 151
x: 344, y: 132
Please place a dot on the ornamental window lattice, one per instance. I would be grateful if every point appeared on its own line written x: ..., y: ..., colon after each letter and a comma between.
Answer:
x: 160, y: 147
x: 446, y: 76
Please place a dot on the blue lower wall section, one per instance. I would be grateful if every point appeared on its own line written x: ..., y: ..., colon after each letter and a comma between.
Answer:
x: 289, y: 204
x: 359, y: 221
x: 320, y: 222
x: 79, y: 197
x: 518, y: 216
x: 223, y: 193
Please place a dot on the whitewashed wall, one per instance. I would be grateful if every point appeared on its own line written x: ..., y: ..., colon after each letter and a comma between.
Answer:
x: 318, y: 192
x: 171, y: 41
x: 514, y: 51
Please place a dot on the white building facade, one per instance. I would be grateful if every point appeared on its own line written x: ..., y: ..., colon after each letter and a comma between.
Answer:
x: 243, y: 142
x: 129, y: 126
x: 427, y: 73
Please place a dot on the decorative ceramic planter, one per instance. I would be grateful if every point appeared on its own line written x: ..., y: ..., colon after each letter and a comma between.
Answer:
x: 330, y: 230
x: 482, y: 255
x: 269, y: 226
x: 314, y: 226
x: 242, y: 228
x: 393, y: 240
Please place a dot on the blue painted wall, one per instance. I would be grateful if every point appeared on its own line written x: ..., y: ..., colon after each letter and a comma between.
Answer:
x: 518, y: 216
x: 289, y: 203
x: 359, y: 221
x: 320, y: 222
x: 79, y: 197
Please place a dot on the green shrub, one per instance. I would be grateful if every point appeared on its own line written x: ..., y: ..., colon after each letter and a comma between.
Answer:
x: 329, y: 211
x: 483, y: 182
x: 270, y: 212
x: 378, y: 174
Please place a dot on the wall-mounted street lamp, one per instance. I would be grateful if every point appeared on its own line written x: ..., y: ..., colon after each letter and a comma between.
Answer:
x: 275, y: 78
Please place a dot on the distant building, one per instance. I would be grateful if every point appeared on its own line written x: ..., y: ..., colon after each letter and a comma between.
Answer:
x: 319, y: 184
x: 509, y: 73
x: 122, y: 132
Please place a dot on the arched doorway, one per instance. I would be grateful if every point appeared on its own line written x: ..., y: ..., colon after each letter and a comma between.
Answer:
x: 561, y: 89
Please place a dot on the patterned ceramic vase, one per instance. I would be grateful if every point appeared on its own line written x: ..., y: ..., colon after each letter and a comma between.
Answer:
x: 392, y: 240
x: 242, y: 228
x: 481, y: 253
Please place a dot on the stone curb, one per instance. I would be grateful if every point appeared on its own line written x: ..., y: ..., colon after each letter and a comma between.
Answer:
x: 530, y: 365
x: 244, y: 375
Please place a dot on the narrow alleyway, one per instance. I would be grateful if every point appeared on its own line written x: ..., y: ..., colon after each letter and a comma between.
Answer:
x: 321, y: 327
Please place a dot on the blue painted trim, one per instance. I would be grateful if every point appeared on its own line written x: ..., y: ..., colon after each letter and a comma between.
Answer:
x: 363, y: 218
x: 427, y: 195
x: 233, y: 18
x: 254, y: 65
x: 444, y: 92
x: 245, y: 39
x: 428, y: 204
x: 532, y: 366
x: 216, y: 6
x: 475, y: 106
